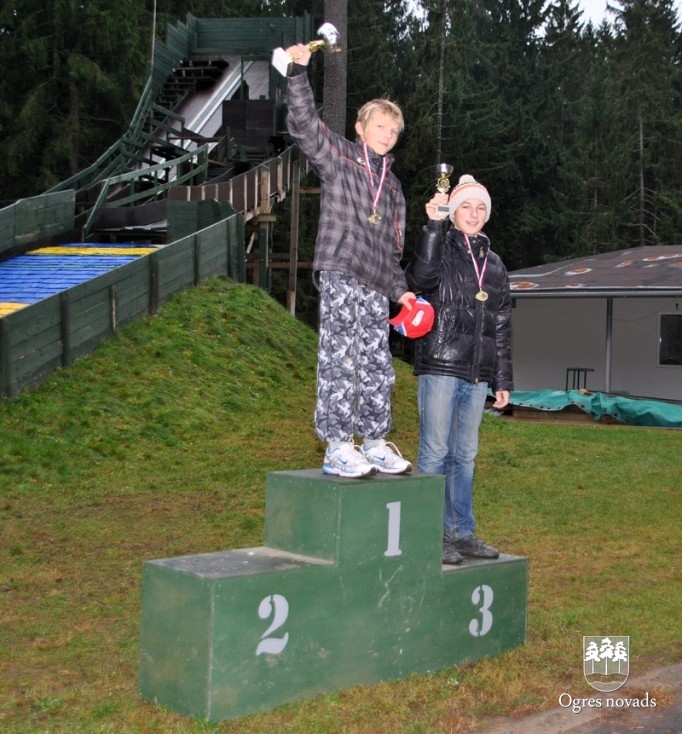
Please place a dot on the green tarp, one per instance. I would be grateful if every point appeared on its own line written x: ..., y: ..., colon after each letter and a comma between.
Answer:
x: 633, y: 411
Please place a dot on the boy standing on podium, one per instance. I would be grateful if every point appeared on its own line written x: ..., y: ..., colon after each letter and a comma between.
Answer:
x: 467, y: 352
x: 357, y: 271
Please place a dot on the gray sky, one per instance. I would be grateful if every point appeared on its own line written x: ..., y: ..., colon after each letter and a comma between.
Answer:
x: 595, y: 10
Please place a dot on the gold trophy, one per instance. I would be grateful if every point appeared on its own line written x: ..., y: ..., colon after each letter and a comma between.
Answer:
x: 329, y: 41
x: 444, y: 171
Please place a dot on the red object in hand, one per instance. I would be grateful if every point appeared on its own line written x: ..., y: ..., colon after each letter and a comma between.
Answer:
x: 414, y: 323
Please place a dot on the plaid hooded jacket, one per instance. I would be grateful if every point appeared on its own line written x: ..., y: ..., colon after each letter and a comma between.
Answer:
x: 346, y: 241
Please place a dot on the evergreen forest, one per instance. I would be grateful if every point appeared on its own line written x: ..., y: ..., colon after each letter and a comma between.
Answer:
x: 575, y: 130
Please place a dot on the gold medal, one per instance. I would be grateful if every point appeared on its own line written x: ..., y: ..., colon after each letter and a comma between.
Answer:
x: 481, y: 296
x: 374, y: 217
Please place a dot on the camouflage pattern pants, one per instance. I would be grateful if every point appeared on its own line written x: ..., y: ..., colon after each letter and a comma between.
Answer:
x: 355, y: 373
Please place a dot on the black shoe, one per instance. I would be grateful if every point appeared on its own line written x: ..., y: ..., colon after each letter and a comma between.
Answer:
x: 451, y: 556
x: 472, y: 547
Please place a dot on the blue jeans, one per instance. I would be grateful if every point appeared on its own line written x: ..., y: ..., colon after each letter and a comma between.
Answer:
x: 450, y: 413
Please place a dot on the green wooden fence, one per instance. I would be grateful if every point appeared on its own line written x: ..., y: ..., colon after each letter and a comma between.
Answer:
x: 51, y: 333
x: 39, y: 219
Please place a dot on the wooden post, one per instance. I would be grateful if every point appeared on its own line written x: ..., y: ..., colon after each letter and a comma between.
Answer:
x: 65, y: 320
x: 293, y: 233
x: 4, y: 359
x: 264, y: 226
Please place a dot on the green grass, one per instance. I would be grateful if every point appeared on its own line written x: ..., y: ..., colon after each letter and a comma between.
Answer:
x: 158, y: 444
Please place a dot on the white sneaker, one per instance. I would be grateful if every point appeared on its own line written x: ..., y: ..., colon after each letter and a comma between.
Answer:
x: 347, y: 461
x: 387, y: 459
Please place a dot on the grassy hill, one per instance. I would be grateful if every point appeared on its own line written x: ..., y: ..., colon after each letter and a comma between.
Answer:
x: 158, y: 444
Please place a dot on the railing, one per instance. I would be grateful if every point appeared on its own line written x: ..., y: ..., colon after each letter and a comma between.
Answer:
x: 196, y: 163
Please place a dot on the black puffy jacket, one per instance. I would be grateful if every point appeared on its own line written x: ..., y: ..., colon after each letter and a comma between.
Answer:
x: 470, y: 339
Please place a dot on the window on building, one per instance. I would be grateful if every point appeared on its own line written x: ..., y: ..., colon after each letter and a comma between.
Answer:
x: 670, y: 340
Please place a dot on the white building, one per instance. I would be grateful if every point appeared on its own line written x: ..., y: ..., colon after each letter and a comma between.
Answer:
x: 616, y: 318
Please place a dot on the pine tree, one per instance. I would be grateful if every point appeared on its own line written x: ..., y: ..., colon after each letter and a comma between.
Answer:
x: 600, y: 148
x: 566, y: 56
x: 647, y: 51
x: 75, y: 71
x: 516, y: 160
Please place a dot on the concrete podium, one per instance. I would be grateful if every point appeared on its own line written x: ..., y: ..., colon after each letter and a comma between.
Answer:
x: 349, y: 588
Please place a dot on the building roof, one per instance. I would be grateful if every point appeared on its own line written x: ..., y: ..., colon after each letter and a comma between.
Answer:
x: 639, y: 271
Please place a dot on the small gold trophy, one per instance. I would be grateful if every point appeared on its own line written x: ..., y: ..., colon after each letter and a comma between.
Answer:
x: 444, y: 171
x: 329, y: 41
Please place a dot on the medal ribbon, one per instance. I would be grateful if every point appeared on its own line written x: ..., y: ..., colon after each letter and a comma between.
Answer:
x: 480, y: 272
x: 375, y: 199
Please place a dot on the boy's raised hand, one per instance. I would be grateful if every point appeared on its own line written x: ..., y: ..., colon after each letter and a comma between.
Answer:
x: 300, y: 53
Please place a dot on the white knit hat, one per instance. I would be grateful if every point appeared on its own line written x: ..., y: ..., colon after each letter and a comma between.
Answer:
x: 469, y: 188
